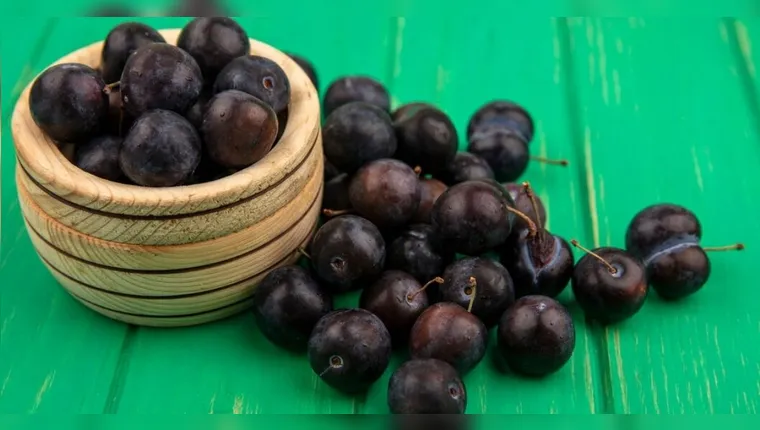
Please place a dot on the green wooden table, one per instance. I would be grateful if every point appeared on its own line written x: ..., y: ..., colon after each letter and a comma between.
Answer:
x: 646, y: 110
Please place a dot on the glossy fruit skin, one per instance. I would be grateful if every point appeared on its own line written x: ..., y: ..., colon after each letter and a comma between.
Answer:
x: 162, y: 149
x: 426, y: 138
x: 448, y: 332
x: 465, y: 166
x: 419, y: 252
x: 430, y: 190
x: 524, y: 205
x: 389, y: 299
x: 349, y: 89
x: 605, y: 297
x: 335, y: 195
x: 540, y: 264
x: 160, y: 76
x: 386, y: 192
x: 355, y: 134
x: 308, y: 68
x: 536, y: 336
x: 679, y: 273
x: 68, y: 103
x: 257, y: 76
x: 287, y: 304
x: 100, y: 157
x: 503, y: 114
x: 426, y: 386
x: 238, y: 129
x: 120, y: 43
x: 472, y: 217
x: 504, y: 151
x: 347, y: 253
x: 213, y: 42
x: 338, y: 334
x: 494, y: 291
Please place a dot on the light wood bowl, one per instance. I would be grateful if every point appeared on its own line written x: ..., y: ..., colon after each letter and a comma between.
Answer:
x: 172, y: 256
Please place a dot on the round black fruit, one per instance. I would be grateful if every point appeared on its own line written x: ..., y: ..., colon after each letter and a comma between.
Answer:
x: 386, y: 192
x: 349, y: 349
x: 287, y: 305
x: 465, y: 166
x: 198, y: 109
x: 120, y: 43
x: 426, y: 386
x: 257, y: 76
x: 503, y: 114
x: 426, y: 138
x: 536, y: 336
x: 100, y: 157
x: 213, y: 42
x: 526, y: 201
x: 160, y: 76
x: 504, y: 151
x: 349, y: 89
x: 430, y: 190
x: 162, y: 149
x: 68, y: 103
x: 347, y: 252
x: 418, y: 251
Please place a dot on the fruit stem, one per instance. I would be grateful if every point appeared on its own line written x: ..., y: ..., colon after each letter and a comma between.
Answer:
x: 549, y: 161
x: 303, y: 252
x: 734, y: 247
x: 529, y: 191
x: 531, y: 225
x: 107, y: 89
x: 331, y: 213
x: 473, y: 287
x: 336, y: 362
x: 610, y: 267
x: 418, y: 170
x: 437, y: 280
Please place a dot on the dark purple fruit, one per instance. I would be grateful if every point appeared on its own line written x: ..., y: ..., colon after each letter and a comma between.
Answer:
x: 386, y: 192
x: 330, y: 170
x: 426, y: 386
x: 465, y: 166
x: 487, y: 280
x: 397, y: 298
x: 472, y: 217
x: 162, y: 149
x: 257, y: 76
x: 100, y: 157
x: 160, y: 76
x: 609, y: 284
x: 68, y: 103
x: 120, y: 43
x: 213, y: 42
x: 418, y: 251
x: 408, y: 109
x: 349, y: 349
x: 448, y: 332
x: 335, y: 195
x: 503, y: 114
x: 526, y: 201
x: 198, y: 109
x: 287, y: 305
x: 426, y: 138
x: 347, y: 253
x: 349, y: 89
x: 536, y: 336
x: 307, y: 67
x: 355, y: 134
x: 503, y: 150
x: 430, y: 190
x: 238, y: 129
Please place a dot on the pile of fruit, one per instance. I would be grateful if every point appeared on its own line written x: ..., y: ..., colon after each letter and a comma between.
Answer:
x: 442, y: 244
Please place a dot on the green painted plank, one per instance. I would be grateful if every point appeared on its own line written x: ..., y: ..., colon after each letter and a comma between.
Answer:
x: 664, y: 119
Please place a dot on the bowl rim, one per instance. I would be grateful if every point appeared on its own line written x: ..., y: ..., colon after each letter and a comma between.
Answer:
x: 42, y: 160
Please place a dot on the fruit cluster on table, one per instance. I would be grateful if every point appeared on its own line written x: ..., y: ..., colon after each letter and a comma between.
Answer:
x: 443, y: 244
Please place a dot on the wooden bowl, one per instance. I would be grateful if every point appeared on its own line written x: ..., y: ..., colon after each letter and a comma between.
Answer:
x: 172, y: 256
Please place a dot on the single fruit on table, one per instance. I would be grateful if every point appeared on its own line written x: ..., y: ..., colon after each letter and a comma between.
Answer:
x: 426, y: 138
x: 287, y: 305
x: 162, y: 149
x: 347, y: 253
x: 100, y: 157
x: 666, y: 238
x: 419, y: 251
x: 160, y: 76
x: 257, y: 76
x: 357, y: 133
x: 481, y: 281
x: 504, y: 113
x: 386, y: 192
x: 465, y: 166
x: 307, y: 66
x: 349, y: 349
x: 397, y: 298
x: 430, y: 190
x: 196, y: 111
x: 449, y: 332
x: 238, y: 129
x: 525, y: 202
x: 609, y: 284
x: 68, y: 103
x: 349, y: 89
x: 213, y: 42
x: 335, y: 195
x: 120, y: 43
x: 536, y: 336
x: 426, y: 386
x: 472, y: 217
